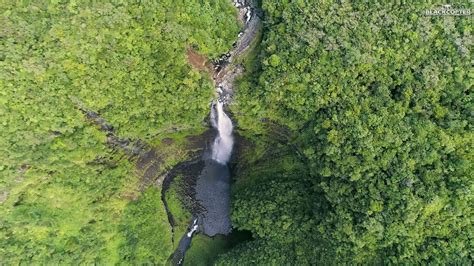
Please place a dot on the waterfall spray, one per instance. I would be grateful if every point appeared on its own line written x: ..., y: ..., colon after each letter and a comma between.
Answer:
x: 222, y: 147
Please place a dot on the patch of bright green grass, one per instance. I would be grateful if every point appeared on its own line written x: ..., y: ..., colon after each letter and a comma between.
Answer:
x: 204, y: 250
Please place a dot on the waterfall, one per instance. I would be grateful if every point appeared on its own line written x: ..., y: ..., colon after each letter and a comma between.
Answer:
x: 222, y: 147
x: 194, y: 228
x: 213, y: 184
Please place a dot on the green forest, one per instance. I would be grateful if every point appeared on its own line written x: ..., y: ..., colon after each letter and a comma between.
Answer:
x: 353, y: 127
x: 66, y: 196
x: 368, y: 152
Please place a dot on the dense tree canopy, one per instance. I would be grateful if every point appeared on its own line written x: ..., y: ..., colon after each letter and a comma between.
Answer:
x: 63, y: 191
x: 359, y: 117
x: 377, y: 100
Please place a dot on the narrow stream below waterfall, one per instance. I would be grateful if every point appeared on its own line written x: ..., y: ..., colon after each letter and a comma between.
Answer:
x: 213, y: 183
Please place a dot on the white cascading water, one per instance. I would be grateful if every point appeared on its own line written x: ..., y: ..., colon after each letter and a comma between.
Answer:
x: 222, y: 148
x: 194, y: 228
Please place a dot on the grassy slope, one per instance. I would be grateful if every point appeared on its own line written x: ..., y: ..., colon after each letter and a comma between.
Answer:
x: 204, y: 250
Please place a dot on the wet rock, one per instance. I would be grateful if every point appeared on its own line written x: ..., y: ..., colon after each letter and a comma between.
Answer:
x: 167, y: 141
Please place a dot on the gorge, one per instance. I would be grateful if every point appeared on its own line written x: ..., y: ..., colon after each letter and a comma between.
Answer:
x: 212, y: 189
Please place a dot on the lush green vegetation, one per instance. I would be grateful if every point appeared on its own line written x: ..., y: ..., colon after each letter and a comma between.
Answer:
x: 374, y: 101
x: 205, y: 250
x: 147, y: 231
x: 175, y: 197
x: 65, y: 195
x: 359, y: 118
